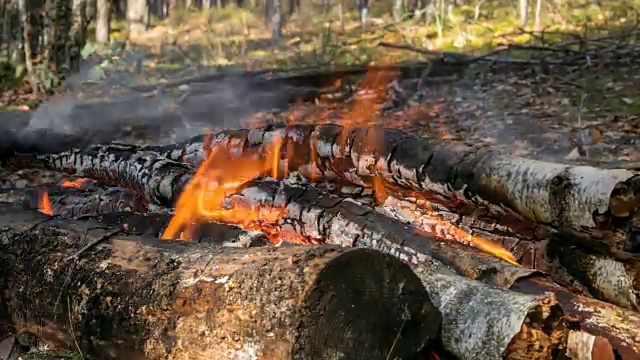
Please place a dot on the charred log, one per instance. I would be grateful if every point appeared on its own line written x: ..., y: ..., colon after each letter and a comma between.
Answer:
x: 600, y: 276
x: 322, y: 218
x: 71, y: 202
x: 159, y: 179
x: 153, y: 225
x: 596, y: 206
x: 608, y: 279
x: 157, y: 299
x: 481, y: 321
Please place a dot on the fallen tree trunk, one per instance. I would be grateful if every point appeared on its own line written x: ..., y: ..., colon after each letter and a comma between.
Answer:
x: 598, y: 207
x: 318, y: 78
x: 480, y: 321
x: 603, y: 277
x: 157, y: 299
x: 319, y: 217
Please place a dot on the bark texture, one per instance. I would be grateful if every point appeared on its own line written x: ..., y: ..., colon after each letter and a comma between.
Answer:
x: 157, y: 299
x: 323, y: 218
x: 481, y: 321
x: 73, y: 203
x: 158, y: 178
x: 601, y: 276
x: 599, y: 206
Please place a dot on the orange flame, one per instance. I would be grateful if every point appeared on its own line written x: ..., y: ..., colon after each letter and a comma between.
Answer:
x: 44, y: 205
x: 219, y: 177
x: 485, y: 245
x: 76, y: 184
x: 216, y: 179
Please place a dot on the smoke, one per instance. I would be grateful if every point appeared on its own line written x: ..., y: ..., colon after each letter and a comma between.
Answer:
x: 98, y: 107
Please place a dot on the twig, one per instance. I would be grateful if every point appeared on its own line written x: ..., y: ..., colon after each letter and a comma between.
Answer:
x: 461, y: 57
x: 396, y: 340
x: 95, y: 242
x: 73, y: 335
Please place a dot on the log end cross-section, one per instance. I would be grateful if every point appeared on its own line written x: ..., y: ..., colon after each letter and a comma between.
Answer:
x: 132, y: 297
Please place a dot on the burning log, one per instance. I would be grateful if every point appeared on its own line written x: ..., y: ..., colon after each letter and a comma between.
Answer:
x: 73, y: 202
x: 481, y: 321
x: 303, y: 214
x: 158, y: 178
x: 597, y: 207
x: 606, y: 278
x: 157, y: 299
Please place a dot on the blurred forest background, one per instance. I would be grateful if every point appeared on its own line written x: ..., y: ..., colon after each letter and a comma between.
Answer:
x: 44, y: 42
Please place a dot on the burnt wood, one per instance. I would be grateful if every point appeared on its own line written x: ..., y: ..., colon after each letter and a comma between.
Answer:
x: 570, y: 264
x: 597, y: 207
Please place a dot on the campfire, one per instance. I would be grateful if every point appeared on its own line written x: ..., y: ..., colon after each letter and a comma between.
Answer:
x: 322, y: 235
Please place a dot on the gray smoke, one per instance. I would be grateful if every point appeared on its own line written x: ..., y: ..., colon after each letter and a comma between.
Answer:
x: 114, y: 112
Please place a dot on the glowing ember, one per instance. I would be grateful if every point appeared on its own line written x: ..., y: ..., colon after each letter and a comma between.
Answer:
x: 44, y: 205
x: 432, y: 223
x: 76, y: 184
x: 485, y: 245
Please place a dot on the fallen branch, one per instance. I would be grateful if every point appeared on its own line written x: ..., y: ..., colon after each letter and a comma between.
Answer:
x: 597, y: 207
x: 157, y: 299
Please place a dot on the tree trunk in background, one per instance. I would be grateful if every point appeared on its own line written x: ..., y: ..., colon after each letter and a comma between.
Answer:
x: 523, y: 12
x: 276, y: 19
x: 91, y: 9
x: 341, y: 11
x: 293, y: 7
x: 363, y: 7
x: 397, y: 9
x: 103, y: 18
x: 78, y: 33
x: 24, y: 19
x: 137, y: 15
x: 325, y: 6
x: 537, y: 15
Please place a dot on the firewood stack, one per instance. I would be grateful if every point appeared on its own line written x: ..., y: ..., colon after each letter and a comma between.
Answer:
x: 339, y: 240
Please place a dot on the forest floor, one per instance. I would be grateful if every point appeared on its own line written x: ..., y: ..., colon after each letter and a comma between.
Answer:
x: 586, y: 111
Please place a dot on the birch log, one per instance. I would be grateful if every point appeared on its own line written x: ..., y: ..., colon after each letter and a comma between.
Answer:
x: 481, y: 321
x: 601, y: 276
x: 159, y: 179
x: 324, y: 218
x: 597, y: 206
x: 143, y: 298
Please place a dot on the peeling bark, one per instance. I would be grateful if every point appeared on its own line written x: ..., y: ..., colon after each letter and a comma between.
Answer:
x: 157, y: 299
x: 483, y: 322
x: 597, y: 206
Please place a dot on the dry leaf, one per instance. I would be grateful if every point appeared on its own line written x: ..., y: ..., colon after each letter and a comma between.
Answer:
x: 596, y: 135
